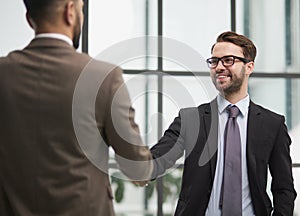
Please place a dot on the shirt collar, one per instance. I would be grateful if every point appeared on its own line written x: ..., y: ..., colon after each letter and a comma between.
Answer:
x: 243, y: 104
x: 56, y: 36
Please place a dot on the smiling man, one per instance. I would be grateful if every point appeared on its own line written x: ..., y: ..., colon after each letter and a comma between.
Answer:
x: 236, y: 142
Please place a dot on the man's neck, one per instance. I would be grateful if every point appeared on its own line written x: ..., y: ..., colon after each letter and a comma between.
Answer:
x: 47, y: 28
x: 56, y: 36
x: 235, y: 97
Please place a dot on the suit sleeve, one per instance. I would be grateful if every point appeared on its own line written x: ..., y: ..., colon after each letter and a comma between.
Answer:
x: 121, y: 131
x: 280, y: 165
x: 169, y: 148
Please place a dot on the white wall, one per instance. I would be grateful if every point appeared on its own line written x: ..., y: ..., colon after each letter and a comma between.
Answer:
x: 15, y: 32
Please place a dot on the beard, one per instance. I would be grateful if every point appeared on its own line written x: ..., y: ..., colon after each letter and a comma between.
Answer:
x: 76, y: 32
x: 232, y: 87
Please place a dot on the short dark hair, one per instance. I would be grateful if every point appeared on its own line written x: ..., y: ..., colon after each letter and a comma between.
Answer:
x: 40, y: 10
x: 249, y: 49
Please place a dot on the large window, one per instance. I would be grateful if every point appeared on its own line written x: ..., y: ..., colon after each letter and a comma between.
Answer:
x: 161, y: 80
x: 161, y: 45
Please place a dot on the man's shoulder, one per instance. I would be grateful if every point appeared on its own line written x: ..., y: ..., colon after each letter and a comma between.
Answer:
x: 3, y: 59
x: 7, y: 59
x: 202, y: 108
x: 267, y: 112
x: 99, y: 65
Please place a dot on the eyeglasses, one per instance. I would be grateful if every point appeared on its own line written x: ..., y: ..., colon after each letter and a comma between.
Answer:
x: 226, y: 61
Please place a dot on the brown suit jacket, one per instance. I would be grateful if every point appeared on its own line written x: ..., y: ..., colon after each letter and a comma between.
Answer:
x: 44, y: 169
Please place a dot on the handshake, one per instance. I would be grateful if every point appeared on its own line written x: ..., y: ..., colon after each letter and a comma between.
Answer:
x: 141, y: 183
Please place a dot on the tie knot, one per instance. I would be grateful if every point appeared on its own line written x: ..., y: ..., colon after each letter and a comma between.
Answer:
x: 233, y: 111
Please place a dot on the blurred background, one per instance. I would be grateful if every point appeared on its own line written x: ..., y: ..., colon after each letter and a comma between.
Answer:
x: 162, y: 46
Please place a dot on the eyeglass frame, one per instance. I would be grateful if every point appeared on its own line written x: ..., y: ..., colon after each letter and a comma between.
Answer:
x: 244, y: 60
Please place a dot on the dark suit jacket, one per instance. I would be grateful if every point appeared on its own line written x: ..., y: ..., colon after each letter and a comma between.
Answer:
x: 43, y: 170
x: 195, y: 132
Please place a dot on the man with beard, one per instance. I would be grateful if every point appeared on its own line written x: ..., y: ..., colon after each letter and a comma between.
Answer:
x: 60, y: 111
x: 229, y: 144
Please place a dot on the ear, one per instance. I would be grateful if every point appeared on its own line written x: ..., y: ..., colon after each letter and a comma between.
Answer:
x: 30, y: 21
x: 249, y: 68
x: 69, y: 13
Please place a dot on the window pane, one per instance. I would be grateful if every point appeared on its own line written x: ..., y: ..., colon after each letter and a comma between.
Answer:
x: 184, y: 91
x: 295, y: 36
x: 295, y: 129
x: 143, y: 92
x: 274, y: 28
x: 295, y: 102
x: 130, y: 200
x: 116, y: 21
x: 196, y: 24
x: 15, y: 31
x: 267, y: 30
x: 263, y: 91
x: 282, y: 96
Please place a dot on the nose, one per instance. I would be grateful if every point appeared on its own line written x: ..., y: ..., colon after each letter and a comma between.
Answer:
x: 219, y: 66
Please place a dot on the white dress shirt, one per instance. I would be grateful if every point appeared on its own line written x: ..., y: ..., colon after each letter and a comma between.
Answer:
x: 56, y: 36
x: 213, y: 205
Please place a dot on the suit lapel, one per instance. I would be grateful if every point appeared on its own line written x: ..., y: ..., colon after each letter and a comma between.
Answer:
x: 253, y: 130
x: 210, y: 119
